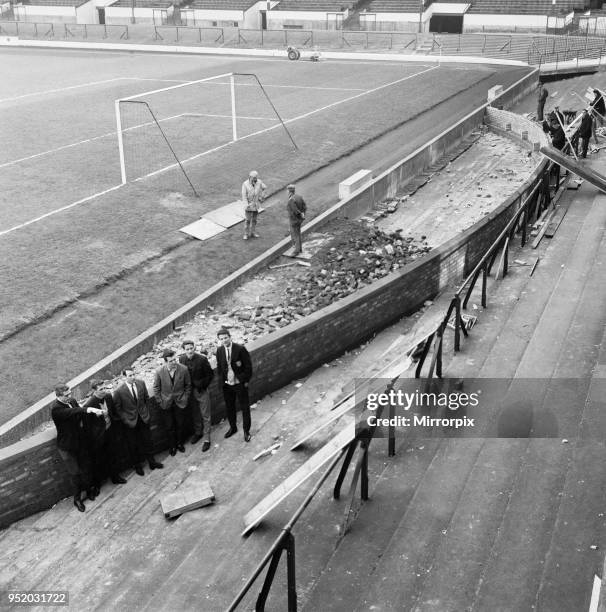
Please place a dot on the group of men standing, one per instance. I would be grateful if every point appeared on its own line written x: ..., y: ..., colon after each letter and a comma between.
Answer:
x: 555, y: 122
x: 111, y: 429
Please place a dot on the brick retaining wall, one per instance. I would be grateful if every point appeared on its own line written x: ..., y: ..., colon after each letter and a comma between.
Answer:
x: 32, y: 465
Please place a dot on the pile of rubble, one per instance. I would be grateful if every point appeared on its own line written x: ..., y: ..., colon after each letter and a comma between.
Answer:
x: 352, y: 255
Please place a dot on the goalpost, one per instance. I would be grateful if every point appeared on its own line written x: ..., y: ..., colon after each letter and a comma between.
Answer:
x: 167, y: 128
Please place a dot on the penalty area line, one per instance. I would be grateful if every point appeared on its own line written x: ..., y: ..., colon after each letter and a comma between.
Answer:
x: 292, y: 120
x: 58, y: 210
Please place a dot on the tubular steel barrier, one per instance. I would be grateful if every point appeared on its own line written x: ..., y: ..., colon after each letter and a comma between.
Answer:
x: 286, y: 541
x: 533, y: 49
x: 529, y: 209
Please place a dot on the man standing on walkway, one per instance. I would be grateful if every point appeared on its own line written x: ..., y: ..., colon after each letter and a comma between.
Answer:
x: 253, y: 194
x: 543, y: 95
x: 102, y: 436
x: 296, y: 214
x: 67, y: 416
x: 172, y: 387
x: 585, y: 132
x: 201, y: 375
x: 131, y: 401
x: 235, y: 371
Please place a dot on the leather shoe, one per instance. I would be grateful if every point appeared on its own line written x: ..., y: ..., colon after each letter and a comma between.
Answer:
x: 155, y: 465
x: 172, y: 452
x: 91, y: 494
x: 196, y: 438
x: 139, y: 470
x: 181, y: 448
x: 205, y: 446
x: 230, y: 432
x: 246, y: 437
x: 78, y: 503
x: 118, y: 479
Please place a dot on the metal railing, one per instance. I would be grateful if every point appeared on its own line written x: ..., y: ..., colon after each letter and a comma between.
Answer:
x: 530, y: 209
x: 285, y: 542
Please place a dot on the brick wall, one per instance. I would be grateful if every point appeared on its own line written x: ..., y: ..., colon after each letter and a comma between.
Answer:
x: 31, y: 474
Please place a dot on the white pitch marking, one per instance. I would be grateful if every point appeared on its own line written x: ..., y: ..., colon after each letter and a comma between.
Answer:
x: 110, y: 134
x: 273, y: 127
x: 52, y: 212
x: 50, y: 91
x: 101, y: 193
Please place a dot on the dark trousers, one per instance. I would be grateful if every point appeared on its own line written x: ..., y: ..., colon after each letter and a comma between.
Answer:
x: 584, y: 145
x: 103, y: 455
x: 138, y: 443
x: 77, y: 465
x: 295, y: 236
x: 199, y: 403
x: 230, y: 394
x: 174, y: 421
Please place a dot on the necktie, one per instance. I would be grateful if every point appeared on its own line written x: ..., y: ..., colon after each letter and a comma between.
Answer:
x: 133, y: 390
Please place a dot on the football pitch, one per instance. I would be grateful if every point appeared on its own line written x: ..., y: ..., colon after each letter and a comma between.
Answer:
x: 68, y: 226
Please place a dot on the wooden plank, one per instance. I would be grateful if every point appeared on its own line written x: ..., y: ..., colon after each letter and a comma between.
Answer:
x: 331, y: 417
x: 595, y: 178
x: 557, y: 218
x: 202, y: 229
x: 391, y: 371
x: 297, y: 478
x: 229, y: 215
x: 192, y: 493
x: 543, y: 229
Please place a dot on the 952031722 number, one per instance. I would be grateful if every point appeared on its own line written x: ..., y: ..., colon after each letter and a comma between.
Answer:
x: 35, y: 598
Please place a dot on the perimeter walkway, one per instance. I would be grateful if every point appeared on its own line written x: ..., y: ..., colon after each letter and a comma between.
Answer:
x: 509, y: 523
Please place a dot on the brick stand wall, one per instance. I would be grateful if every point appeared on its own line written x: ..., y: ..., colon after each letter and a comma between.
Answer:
x: 32, y: 477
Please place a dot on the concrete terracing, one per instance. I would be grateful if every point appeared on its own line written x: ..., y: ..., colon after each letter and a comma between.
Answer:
x: 482, y: 524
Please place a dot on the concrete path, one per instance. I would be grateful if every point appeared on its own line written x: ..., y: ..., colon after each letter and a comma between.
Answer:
x: 483, y: 524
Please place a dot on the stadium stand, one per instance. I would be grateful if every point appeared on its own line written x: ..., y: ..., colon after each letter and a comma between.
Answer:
x: 314, y: 5
x: 393, y: 6
x: 159, y: 4
x: 71, y: 3
x: 524, y: 7
x: 225, y: 5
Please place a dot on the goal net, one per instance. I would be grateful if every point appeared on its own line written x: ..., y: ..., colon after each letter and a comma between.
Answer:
x: 175, y: 127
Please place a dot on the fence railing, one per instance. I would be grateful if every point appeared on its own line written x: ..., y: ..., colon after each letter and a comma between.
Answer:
x: 530, y: 208
x: 536, y: 50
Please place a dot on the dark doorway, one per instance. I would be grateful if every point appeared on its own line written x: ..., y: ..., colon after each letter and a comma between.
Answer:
x: 451, y: 24
x: 263, y: 20
x: 101, y: 13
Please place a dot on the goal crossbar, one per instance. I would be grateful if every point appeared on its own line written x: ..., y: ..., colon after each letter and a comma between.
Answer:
x: 141, y: 98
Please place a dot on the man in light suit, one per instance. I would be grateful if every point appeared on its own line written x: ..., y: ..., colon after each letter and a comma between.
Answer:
x: 131, y: 406
x: 172, y: 387
x: 235, y: 371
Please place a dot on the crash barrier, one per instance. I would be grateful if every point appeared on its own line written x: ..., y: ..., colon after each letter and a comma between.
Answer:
x: 33, y: 464
x: 534, y: 49
x: 528, y: 206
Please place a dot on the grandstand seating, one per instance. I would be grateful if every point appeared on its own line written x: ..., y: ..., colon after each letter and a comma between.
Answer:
x: 70, y: 3
x: 154, y: 4
x: 393, y: 6
x: 524, y: 7
x: 224, y: 5
x: 324, y: 6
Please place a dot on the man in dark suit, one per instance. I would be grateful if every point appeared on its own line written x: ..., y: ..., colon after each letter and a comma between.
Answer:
x: 201, y: 375
x: 131, y: 401
x: 172, y: 387
x: 296, y: 208
x: 235, y: 371
x: 101, y: 435
x: 67, y: 416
